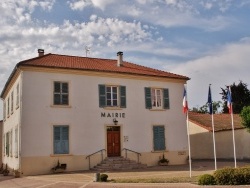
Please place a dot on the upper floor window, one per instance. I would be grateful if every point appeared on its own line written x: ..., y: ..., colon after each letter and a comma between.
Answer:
x: 61, y: 93
x: 8, y: 107
x: 112, y: 96
x: 156, y: 98
x: 17, y: 95
x: 4, y: 110
x: 12, y: 102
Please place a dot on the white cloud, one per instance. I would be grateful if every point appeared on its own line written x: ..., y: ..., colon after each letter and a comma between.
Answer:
x: 224, y: 66
x: 81, y: 4
x: 20, y: 11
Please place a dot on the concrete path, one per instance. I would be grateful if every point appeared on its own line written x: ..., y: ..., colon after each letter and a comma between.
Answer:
x: 85, y: 179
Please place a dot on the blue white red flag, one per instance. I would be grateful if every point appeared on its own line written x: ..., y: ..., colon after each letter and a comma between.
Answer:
x: 185, y: 103
x: 209, y: 101
x: 229, y: 100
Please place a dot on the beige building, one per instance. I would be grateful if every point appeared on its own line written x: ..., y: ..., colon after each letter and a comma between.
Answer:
x: 201, y: 137
x: 60, y: 107
x: 1, y: 138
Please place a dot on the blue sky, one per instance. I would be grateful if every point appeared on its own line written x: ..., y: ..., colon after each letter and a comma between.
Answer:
x: 206, y: 40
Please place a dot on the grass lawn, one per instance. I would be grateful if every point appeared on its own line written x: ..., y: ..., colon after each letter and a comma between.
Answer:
x: 158, y: 180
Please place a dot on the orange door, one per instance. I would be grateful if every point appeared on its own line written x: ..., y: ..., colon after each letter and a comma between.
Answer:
x: 113, y: 142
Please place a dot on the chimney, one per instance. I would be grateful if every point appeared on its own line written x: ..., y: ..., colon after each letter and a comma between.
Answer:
x: 40, y: 52
x: 119, y: 58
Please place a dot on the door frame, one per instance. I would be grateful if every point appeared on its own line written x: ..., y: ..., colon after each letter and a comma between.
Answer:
x: 106, y: 137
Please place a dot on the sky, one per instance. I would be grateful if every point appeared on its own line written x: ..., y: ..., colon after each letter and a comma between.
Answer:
x: 206, y: 40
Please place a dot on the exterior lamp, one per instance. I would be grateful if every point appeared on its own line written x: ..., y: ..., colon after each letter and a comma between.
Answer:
x: 115, y: 121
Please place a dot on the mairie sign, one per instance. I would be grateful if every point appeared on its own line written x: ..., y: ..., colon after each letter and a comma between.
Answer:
x: 113, y: 115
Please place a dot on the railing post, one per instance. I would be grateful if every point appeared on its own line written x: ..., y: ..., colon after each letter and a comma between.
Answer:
x: 137, y: 157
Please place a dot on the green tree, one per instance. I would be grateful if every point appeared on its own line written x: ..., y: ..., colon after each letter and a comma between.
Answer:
x: 245, y: 117
x: 240, y: 97
x: 204, y: 109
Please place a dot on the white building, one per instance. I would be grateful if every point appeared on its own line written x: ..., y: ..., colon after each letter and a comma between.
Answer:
x: 59, y: 107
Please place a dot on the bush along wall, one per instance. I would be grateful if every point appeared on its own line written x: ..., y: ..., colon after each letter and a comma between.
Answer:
x: 227, y: 176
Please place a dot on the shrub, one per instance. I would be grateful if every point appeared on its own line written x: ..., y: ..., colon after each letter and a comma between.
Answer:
x: 232, y: 176
x: 225, y: 176
x: 103, y: 177
x: 206, y: 179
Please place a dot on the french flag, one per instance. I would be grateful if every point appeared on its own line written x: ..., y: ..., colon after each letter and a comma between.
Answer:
x: 229, y: 100
x: 185, y: 103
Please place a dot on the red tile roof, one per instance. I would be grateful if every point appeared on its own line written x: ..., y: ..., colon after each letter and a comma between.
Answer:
x: 57, y: 61
x: 221, y: 121
x: 95, y: 64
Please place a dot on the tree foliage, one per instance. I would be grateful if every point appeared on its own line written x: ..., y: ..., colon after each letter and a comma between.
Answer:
x: 245, y: 117
x: 204, y: 109
x: 240, y: 97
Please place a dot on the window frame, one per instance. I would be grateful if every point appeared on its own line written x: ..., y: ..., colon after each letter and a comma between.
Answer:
x: 155, y: 99
x: 61, y: 141
x: 12, y: 102
x: 112, y: 94
x: 165, y: 101
x: 120, y: 93
x: 4, y: 110
x: 16, y: 142
x: 17, y: 95
x: 8, y: 107
x: 61, y: 93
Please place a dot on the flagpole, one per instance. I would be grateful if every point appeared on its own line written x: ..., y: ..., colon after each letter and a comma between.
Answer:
x: 189, y: 150
x: 215, y: 160
x: 232, y: 120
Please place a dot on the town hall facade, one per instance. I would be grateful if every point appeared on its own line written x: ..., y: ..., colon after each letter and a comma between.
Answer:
x: 60, y: 107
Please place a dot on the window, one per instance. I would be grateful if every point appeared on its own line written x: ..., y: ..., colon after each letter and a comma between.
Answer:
x: 159, y: 138
x: 61, y: 93
x: 4, y: 145
x: 17, y: 95
x: 61, y: 139
x: 112, y: 96
x: 8, y: 107
x: 12, y: 102
x: 16, y: 142
x: 10, y: 143
x: 7, y: 143
x: 4, y: 110
x: 156, y: 98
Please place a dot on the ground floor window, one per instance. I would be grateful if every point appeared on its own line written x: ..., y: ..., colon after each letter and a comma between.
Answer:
x: 16, y: 142
x: 61, y: 139
x: 159, y: 138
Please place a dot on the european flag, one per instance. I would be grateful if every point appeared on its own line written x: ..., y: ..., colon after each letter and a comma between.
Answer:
x: 209, y: 101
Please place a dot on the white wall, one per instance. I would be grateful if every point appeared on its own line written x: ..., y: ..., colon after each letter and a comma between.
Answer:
x: 11, y: 122
x: 87, y: 127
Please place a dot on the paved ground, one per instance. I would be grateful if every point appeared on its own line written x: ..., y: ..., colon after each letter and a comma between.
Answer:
x: 85, y: 179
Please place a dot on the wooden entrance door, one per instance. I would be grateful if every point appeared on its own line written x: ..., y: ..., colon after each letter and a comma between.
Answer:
x: 113, y: 141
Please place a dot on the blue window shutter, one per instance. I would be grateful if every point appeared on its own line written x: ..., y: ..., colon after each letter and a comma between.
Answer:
x: 166, y: 98
x: 57, y: 138
x: 148, y: 102
x: 102, y: 95
x: 159, y: 138
x: 123, y: 96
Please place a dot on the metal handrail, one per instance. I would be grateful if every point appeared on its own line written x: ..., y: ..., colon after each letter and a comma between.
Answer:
x: 138, y: 154
x: 94, y: 154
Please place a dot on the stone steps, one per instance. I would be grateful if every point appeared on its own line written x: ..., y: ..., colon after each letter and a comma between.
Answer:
x: 118, y: 163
